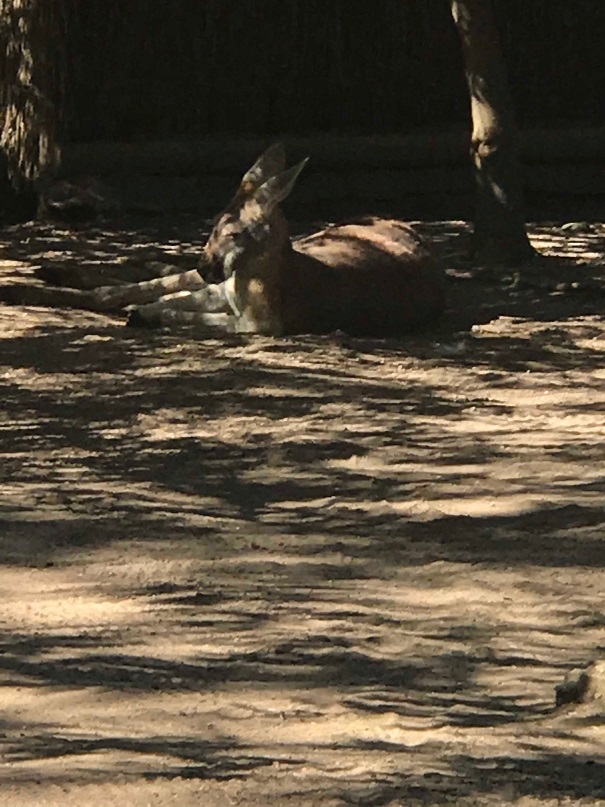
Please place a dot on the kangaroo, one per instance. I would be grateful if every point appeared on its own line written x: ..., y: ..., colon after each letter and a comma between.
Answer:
x: 373, y: 278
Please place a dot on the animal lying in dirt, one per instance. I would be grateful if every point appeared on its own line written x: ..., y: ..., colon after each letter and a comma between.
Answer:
x: 373, y: 278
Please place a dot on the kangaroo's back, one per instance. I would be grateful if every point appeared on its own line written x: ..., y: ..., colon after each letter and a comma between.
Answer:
x: 377, y: 277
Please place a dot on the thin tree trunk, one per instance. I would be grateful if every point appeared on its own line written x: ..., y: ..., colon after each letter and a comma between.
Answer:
x: 499, y: 235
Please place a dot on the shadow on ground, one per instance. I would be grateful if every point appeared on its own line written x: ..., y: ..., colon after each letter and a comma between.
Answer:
x: 359, y: 565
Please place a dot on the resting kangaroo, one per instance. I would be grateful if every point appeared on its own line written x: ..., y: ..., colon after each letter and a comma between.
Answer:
x: 374, y: 278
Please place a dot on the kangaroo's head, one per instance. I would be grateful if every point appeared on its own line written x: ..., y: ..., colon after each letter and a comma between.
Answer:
x: 271, y: 162
x: 250, y: 244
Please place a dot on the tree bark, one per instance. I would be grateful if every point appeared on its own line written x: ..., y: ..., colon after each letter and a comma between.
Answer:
x: 31, y: 78
x: 499, y: 233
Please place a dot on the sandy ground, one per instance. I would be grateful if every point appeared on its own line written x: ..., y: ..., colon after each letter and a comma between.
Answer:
x: 303, y: 571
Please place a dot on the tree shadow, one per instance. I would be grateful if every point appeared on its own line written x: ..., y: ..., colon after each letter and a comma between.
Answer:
x: 441, y: 690
x: 194, y: 758
x: 557, y: 776
x: 143, y: 431
x: 337, y: 495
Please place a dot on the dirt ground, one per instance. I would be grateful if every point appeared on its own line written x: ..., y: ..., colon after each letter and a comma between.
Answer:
x: 313, y: 571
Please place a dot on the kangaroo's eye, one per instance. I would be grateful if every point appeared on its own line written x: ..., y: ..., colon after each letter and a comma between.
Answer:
x: 259, y: 231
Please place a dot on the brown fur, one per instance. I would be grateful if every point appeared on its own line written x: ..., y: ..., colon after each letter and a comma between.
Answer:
x: 376, y: 278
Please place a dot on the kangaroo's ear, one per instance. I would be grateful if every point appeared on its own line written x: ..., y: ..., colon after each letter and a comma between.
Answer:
x: 276, y: 189
x: 271, y: 162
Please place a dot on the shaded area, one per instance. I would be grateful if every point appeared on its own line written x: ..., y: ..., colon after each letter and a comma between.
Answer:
x: 311, y: 447
x: 133, y: 79
x: 508, y: 779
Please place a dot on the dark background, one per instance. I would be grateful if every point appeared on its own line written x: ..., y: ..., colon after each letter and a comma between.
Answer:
x: 149, y: 69
x: 168, y: 102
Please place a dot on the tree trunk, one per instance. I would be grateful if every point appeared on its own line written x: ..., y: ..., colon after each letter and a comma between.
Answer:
x: 31, y: 77
x: 499, y: 234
